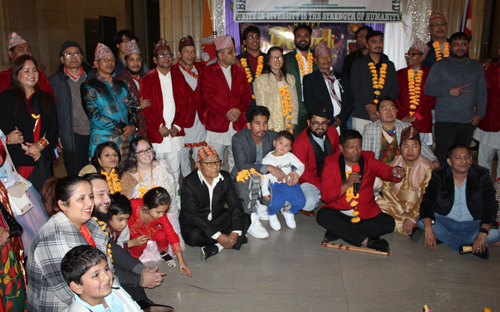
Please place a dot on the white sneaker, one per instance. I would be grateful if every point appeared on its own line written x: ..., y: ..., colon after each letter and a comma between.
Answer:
x: 289, y: 219
x: 256, y: 229
x: 262, y: 211
x: 274, y: 222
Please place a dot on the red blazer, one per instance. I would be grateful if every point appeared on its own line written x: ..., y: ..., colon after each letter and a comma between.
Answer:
x: 302, y: 148
x: 490, y: 121
x: 423, y: 112
x: 194, y: 97
x: 43, y: 82
x: 151, y: 89
x: 331, y: 184
x: 218, y: 99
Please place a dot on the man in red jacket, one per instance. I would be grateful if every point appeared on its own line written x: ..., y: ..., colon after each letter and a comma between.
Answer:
x: 351, y: 212
x: 195, y: 119
x: 166, y: 117
x: 311, y: 147
x: 227, y: 96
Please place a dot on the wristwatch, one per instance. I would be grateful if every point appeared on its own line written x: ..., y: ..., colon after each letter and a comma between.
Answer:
x: 483, y: 230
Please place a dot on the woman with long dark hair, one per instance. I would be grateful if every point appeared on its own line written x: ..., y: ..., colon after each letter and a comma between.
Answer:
x: 275, y: 89
x: 106, y: 160
x: 32, y: 112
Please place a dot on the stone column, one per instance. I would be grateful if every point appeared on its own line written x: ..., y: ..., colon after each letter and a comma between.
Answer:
x: 5, y: 30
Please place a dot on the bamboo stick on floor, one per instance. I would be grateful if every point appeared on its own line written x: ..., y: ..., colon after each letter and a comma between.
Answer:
x: 367, y: 250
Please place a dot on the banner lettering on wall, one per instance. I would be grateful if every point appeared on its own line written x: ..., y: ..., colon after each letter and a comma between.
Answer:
x: 331, y: 11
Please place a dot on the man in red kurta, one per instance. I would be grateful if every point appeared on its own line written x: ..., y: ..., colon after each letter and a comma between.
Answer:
x: 17, y: 46
x: 311, y: 147
x: 166, y: 117
x: 417, y: 111
x: 226, y: 95
x: 351, y: 212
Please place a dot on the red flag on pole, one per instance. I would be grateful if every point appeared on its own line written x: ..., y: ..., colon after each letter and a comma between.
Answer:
x: 207, y: 45
x: 466, y: 25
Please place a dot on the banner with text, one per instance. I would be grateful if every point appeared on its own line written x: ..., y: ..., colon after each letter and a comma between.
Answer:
x: 331, y: 11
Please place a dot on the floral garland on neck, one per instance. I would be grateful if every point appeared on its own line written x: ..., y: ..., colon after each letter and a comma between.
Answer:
x: 143, y: 189
x: 102, y: 224
x: 286, y: 106
x: 243, y: 175
x: 437, y: 50
x: 189, y: 71
x: 258, y: 70
x: 378, y: 81
x: 300, y: 61
x: 414, y: 86
x: 113, y: 181
x: 352, y: 200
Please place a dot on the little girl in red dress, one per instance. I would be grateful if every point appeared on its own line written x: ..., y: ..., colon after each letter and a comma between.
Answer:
x: 149, y: 218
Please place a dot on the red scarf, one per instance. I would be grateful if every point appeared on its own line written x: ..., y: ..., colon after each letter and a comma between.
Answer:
x: 74, y: 78
x: 86, y: 233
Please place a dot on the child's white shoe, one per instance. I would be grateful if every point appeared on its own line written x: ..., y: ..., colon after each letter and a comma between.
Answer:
x: 289, y: 219
x: 274, y: 222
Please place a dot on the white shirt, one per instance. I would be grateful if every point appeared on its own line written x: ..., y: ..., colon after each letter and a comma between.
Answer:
x: 347, y: 212
x: 169, y: 144
x: 227, y: 74
x: 197, y: 133
x: 336, y: 87
x: 285, y: 163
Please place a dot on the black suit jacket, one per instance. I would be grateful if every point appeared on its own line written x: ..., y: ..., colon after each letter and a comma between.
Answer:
x: 315, y: 89
x: 480, y: 194
x: 195, y: 205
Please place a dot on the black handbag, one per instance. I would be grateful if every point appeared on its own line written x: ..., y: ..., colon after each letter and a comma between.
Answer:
x: 15, y: 229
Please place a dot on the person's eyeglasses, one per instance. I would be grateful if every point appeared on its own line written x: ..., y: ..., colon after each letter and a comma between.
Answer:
x: 144, y: 152
x: 317, y: 123
x: 70, y: 54
x: 412, y: 54
x: 169, y: 55
x: 108, y: 60
x: 253, y: 37
x: 211, y: 164
x: 276, y: 58
x: 437, y: 25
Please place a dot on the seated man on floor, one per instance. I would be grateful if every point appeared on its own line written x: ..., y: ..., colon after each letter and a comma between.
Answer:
x: 311, y: 147
x: 402, y: 200
x: 205, y: 222
x: 459, y: 206
x: 351, y: 212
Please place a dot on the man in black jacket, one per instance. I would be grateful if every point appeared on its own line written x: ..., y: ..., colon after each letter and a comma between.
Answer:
x: 459, y: 206
x: 74, y: 126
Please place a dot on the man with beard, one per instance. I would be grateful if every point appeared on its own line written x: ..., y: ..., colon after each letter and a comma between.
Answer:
x: 122, y: 37
x: 132, y: 76
x: 194, y: 126
x: 166, y: 117
x: 299, y: 63
x: 108, y: 103
x: 439, y: 46
x: 359, y: 53
x: 459, y: 85
x: 311, y: 147
x: 252, y: 59
x: 133, y: 275
x: 372, y: 77
x: 74, y: 126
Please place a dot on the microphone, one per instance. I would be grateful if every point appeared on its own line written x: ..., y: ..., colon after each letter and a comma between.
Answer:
x: 356, y: 186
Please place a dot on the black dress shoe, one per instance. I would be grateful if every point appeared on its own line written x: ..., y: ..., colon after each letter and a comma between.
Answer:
x: 148, y: 305
x: 330, y: 237
x: 380, y: 244
x: 416, y: 233
x: 208, y: 251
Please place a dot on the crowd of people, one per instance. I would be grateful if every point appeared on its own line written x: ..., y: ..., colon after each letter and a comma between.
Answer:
x: 353, y: 149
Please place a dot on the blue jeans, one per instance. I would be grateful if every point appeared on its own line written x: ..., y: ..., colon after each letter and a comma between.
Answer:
x: 458, y: 233
x: 280, y: 193
x: 312, y: 195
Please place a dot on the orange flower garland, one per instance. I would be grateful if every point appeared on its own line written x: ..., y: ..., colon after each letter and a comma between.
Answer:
x: 378, y: 81
x: 113, y: 181
x: 304, y: 71
x: 414, y: 86
x: 243, y: 175
x: 258, y: 71
x: 189, y: 71
x: 143, y: 189
x: 352, y: 200
x: 102, y: 224
x: 286, y: 106
x: 437, y: 50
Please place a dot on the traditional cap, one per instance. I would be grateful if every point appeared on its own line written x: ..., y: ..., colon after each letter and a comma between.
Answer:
x: 161, y: 45
x: 437, y: 16
x: 69, y: 44
x: 186, y: 42
x: 318, y: 108
x: 410, y: 133
x: 223, y: 42
x: 13, y: 40
x: 206, y: 151
x: 100, y: 51
x: 420, y: 45
x: 132, y: 47
x: 321, y: 48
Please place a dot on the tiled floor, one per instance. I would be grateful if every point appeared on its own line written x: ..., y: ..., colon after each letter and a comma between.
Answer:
x: 291, y: 271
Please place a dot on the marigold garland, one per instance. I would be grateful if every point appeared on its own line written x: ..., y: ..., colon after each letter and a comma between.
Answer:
x: 243, y: 175
x: 190, y: 71
x: 378, y: 81
x: 102, y: 224
x: 414, y: 86
x: 113, y: 181
x: 352, y: 200
x: 286, y: 106
x: 258, y: 70
x: 143, y: 189
x: 304, y: 71
x: 437, y: 50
